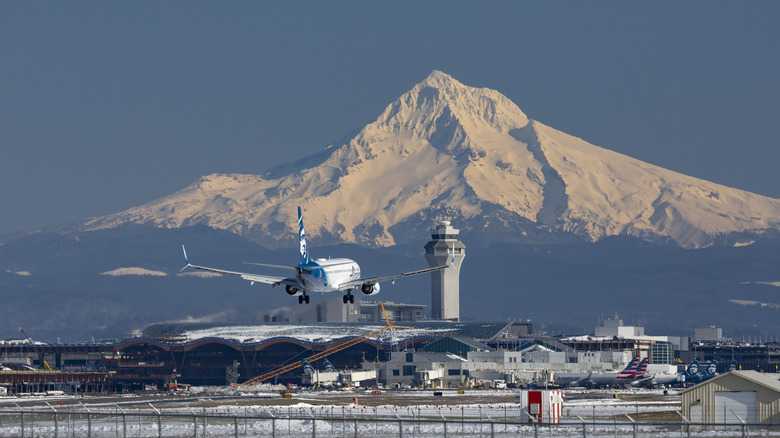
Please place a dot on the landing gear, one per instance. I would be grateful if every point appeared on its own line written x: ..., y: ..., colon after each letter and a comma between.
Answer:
x: 303, y: 298
x: 348, y: 298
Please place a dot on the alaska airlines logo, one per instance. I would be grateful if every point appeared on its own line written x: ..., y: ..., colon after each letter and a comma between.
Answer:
x: 712, y: 368
x: 694, y: 368
x: 303, y: 244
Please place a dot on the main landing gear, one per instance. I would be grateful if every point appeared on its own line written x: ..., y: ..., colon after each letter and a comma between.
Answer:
x: 303, y: 298
x: 349, y: 298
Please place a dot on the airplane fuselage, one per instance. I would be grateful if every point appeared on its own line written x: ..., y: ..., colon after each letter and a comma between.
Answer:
x: 325, y: 275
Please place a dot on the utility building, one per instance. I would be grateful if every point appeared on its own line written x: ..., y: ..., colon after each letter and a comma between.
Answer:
x: 735, y: 397
x: 445, y: 249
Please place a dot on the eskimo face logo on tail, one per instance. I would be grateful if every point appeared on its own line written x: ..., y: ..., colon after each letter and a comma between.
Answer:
x: 302, y: 240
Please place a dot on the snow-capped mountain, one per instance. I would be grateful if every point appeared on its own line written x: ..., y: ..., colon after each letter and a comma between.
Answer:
x: 444, y: 150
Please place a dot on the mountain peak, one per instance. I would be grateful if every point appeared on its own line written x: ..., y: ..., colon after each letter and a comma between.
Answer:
x: 445, y: 150
x: 438, y: 79
x: 441, y: 108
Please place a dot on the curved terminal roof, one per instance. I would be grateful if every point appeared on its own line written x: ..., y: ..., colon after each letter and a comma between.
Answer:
x: 321, y: 332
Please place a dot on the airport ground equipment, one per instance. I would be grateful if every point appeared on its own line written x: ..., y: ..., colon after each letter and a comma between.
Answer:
x: 342, y: 346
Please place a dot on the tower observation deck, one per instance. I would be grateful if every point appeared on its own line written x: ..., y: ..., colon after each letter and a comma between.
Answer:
x: 443, y: 249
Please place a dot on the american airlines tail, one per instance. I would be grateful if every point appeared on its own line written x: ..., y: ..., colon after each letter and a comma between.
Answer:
x: 630, y: 370
x: 305, y: 260
x: 641, y: 369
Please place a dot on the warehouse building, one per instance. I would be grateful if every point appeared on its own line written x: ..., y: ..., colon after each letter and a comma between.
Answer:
x: 735, y: 397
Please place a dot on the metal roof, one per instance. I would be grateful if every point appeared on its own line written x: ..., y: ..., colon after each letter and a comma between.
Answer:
x: 754, y: 376
x: 320, y: 332
x: 467, y: 342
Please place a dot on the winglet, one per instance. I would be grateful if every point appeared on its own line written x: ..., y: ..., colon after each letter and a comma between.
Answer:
x: 185, y: 258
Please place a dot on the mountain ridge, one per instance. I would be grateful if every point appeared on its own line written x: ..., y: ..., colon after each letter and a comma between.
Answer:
x: 444, y: 150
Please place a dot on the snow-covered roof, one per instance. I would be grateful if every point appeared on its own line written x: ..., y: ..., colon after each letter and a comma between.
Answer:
x: 319, y: 332
x: 762, y: 379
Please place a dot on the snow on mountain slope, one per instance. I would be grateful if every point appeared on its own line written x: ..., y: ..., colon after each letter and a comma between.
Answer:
x: 444, y: 150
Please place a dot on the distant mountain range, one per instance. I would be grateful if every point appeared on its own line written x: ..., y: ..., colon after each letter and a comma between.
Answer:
x: 444, y: 150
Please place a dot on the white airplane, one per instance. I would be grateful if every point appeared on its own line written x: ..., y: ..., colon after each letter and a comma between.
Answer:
x: 318, y: 275
x: 634, y: 370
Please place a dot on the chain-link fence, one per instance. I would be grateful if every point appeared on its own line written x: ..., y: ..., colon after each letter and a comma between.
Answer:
x: 121, y: 422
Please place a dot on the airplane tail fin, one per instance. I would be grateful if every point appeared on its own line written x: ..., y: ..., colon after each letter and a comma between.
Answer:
x: 641, y: 369
x: 734, y: 365
x: 328, y: 366
x: 712, y: 368
x: 305, y: 260
x: 693, y: 367
x: 629, y: 371
x: 307, y: 368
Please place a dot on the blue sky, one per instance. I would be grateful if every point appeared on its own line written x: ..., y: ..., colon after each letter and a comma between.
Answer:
x: 107, y: 105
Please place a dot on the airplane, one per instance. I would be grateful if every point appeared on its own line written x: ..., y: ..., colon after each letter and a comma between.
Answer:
x: 669, y: 379
x: 733, y: 366
x: 318, y: 275
x: 626, y: 376
x: 596, y: 379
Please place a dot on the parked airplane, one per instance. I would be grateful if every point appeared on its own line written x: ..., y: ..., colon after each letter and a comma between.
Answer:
x: 628, y: 375
x: 670, y: 379
x: 598, y: 379
x: 318, y: 275
x: 733, y: 366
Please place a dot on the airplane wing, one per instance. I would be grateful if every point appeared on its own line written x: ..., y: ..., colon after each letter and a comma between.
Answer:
x: 352, y: 284
x: 644, y: 381
x: 586, y: 379
x: 267, y: 279
x: 582, y: 381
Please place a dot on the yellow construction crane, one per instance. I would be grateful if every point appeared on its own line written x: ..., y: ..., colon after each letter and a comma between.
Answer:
x: 344, y: 345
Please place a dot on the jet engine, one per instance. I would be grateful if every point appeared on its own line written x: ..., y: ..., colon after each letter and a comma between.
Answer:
x: 370, y: 289
x: 290, y: 290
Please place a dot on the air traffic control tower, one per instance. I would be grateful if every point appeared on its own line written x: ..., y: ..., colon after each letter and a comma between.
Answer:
x: 445, y: 249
